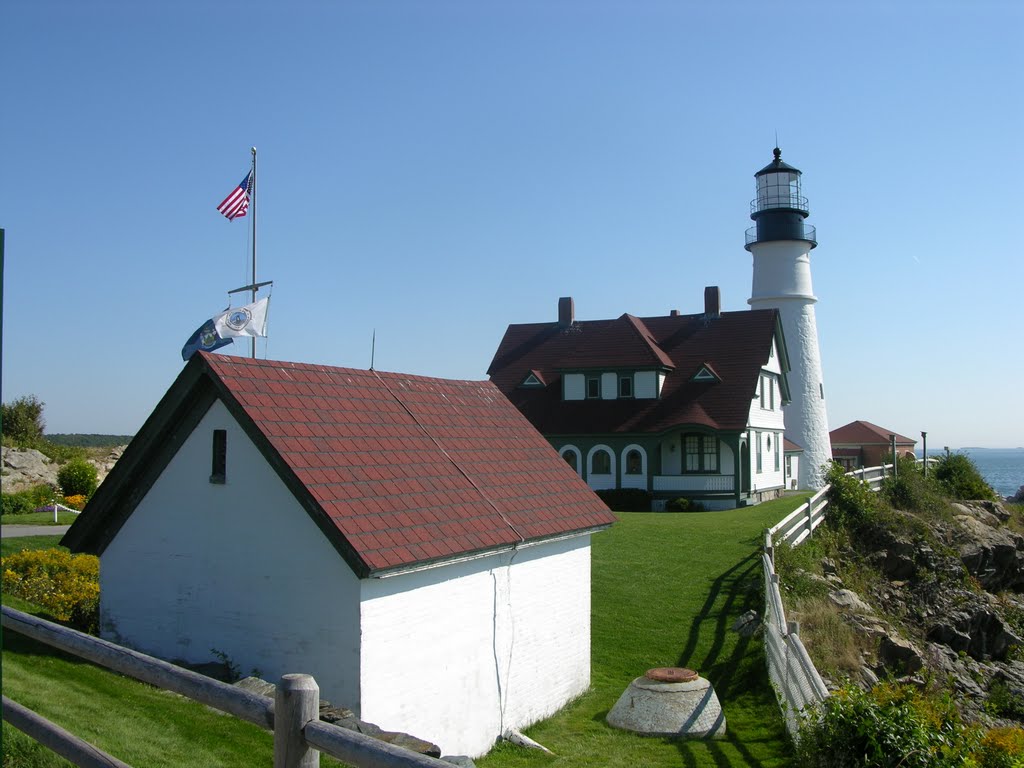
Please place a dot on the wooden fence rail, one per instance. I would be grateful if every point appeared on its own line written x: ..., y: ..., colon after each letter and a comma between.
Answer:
x: 299, y: 735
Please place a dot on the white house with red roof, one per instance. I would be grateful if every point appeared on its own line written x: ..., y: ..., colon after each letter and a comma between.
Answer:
x: 411, y: 542
x: 677, y: 405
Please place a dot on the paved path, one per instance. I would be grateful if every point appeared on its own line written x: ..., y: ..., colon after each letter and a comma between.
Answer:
x: 12, y: 531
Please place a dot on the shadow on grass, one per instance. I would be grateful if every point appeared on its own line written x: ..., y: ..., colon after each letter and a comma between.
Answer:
x: 732, y: 593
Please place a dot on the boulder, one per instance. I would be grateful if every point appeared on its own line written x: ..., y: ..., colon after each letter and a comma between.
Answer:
x: 899, y: 655
x: 747, y: 624
x: 25, y: 468
x: 850, y: 600
x: 991, y: 554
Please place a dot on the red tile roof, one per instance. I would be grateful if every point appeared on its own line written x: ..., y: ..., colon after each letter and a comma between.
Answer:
x: 865, y: 433
x: 399, y: 469
x: 735, y: 345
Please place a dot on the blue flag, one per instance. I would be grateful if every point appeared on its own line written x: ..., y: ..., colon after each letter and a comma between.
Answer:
x: 205, y: 338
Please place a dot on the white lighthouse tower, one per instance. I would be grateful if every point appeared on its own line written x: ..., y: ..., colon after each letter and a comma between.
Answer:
x: 781, y: 244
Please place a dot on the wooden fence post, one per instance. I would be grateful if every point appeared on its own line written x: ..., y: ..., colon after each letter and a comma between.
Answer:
x: 296, y: 703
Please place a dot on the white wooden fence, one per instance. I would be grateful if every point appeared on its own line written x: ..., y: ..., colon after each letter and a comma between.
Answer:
x: 293, y: 715
x: 797, y: 683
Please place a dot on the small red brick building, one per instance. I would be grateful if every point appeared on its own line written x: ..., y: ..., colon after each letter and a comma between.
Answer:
x: 863, y: 444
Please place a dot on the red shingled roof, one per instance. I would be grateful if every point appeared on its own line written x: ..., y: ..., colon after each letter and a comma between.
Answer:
x: 735, y: 345
x: 865, y: 433
x: 396, y: 469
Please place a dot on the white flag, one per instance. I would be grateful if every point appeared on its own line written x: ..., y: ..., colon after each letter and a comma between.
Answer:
x: 250, y: 320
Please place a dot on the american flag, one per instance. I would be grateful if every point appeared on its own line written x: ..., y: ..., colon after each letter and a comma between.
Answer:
x: 237, y: 203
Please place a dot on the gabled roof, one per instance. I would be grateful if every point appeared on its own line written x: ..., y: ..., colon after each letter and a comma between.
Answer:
x: 396, y: 470
x: 735, y: 345
x: 865, y: 433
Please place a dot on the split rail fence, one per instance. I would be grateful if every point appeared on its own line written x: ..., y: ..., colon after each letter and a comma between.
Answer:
x: 797, y: 683
x: 293, y: 715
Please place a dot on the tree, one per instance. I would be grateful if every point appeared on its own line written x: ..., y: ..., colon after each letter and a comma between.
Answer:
x: 23, y: 420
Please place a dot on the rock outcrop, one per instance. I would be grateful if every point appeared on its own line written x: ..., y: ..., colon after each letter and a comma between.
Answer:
x: 947, y: 606
x: 24, y: 468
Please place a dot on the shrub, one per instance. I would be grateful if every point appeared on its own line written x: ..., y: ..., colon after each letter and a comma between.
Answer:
x: 851, y: 501
x: 1001, y: 748
x: 19, y: 503
x: 909, y: 490
x: 23, y: 420
x: 683, y: 504
x: 77, y: 477
x: 626, y: 499
x: 60, y: 453
x: 892, y: 724
x: 65, y: 585
x: 961, y: 479
x: 77, y: 501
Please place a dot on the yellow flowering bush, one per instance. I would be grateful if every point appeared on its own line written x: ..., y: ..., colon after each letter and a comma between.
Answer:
x: 75, y: 502
x: 66, y: 586
x: 1002, y: 748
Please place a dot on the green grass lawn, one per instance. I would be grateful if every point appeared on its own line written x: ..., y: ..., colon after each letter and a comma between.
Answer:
x: 666, y: 590
x: 39, y: 518
x: 17, y: 544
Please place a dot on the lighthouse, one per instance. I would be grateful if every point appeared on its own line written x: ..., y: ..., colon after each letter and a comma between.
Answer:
x: 781, y: 243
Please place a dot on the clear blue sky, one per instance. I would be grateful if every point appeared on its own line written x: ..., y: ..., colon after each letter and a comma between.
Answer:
x: 438, y: 170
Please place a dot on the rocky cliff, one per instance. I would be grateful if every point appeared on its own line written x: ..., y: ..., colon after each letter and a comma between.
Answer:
x: 942, y: 605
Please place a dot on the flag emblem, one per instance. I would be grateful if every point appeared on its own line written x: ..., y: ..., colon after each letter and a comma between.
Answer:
x: 237, y: 203
x: 238, y: 319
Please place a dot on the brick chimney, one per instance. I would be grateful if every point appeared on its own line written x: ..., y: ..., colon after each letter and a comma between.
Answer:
x: 566, y: 312
x: 712, y: 302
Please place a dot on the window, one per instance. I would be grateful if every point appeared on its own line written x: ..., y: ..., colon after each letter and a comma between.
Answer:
x: 634, y: 463
x: 778, y: 450
x: 593, y: 386
x: 761, y: 392
x: 757, y: 437
x: 571, y: 460
x: 691, y: 446
x: 710, y: 453
x: 601, y: 463
x: 218, y: 473
x: 700, y: 453
x: 625, y: 386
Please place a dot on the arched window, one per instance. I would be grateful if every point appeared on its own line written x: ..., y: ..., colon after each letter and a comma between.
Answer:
x: 634, y: 463
x: 601, y: 462
x: 572, y: 457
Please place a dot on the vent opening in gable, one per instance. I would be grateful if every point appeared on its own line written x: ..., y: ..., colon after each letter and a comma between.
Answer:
x: 532, y: 380
x: 705, y: 373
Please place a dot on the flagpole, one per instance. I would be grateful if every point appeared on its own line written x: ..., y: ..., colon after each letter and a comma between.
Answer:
x: 253, y: 205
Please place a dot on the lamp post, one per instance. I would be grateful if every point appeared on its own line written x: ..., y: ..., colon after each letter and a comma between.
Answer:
x: 924, y: 449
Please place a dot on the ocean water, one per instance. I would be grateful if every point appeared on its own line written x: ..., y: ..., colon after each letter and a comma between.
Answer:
x: 1002, y: 468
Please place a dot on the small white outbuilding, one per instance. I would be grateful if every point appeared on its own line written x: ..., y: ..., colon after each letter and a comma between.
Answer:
x: 413, y: 543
